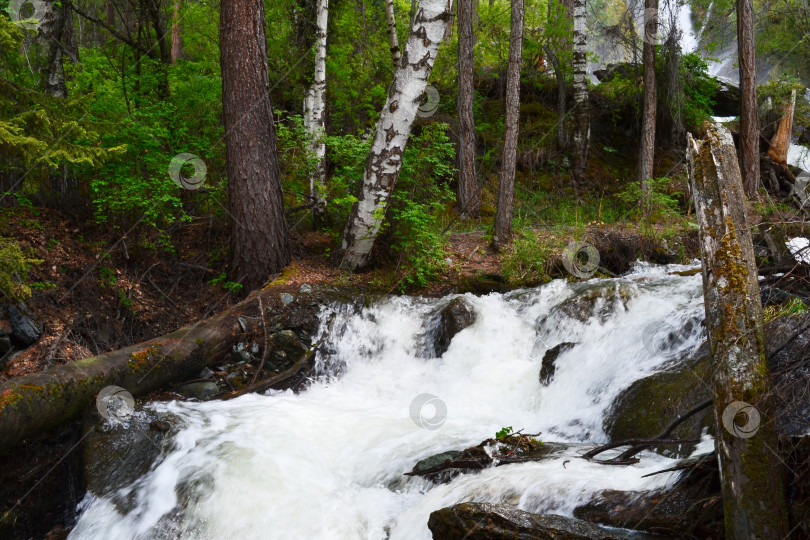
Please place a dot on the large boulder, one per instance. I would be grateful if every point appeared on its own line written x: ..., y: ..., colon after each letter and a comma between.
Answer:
x: 649, y: 405
x: 548, y: 366
x: 484, y: 521
x: 727, y: 99
x: 25, y: 330
x: 598, y: 301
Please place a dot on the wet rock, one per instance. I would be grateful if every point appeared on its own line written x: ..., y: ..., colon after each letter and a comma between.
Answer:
x: 649, y: 405
x: 453, y: 318
x: 548, y: 366
x: 116, y: 454
x: 692, y: 508
x: 443, y: 467
x: 206, y: 373
x: 625, y: 70
x: 25, y: 330
x: 159, y: 425
x: 286, y: 298
x: 598, y: 301
x: 727, y: 99
x: 202, y: 391
x: 481, y: 283
x: 771, y: 296
x: 484, y: 521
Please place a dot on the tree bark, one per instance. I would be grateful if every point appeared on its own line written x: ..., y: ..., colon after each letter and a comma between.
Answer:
x: 647, y: 151
x: 315, y: 116
x: 749, y: 110
x: 177, y: 31
x: 555, y: 53
x: 393, y: 38
x: 780, y: 143
x: 259, y: 237
x: 469, y: 196
x: 582, y: 129
x: 392, y: 131
x: 753, y: 492
x: 506, y: 191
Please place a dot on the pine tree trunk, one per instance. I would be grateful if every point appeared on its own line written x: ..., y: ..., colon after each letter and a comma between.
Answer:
x: 582, y: 129
x: 469, y: 196
x: 259, y: 238
x: 315, y: 116
x: 177, y: 31
x: 393, y: 39
x: 753, y: 492
x: 506, y: 191
x: 647, y: 151
x: 749, y: 110
x: 392, y: 131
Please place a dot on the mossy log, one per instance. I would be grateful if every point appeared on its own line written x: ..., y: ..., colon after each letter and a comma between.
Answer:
x: 753, y: 491
x: 32, y: 404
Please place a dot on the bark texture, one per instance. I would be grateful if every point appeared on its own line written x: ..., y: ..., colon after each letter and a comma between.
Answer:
x: 392, y: 131
x: 582, y: 128
x: 506, y: 191
x: 177, y: 31
x: 469, y: 196
x: 259, y: 237
x: 780, y: 143
x: 56, y: 31
x: 554, y: 53
x: 393, y: 38
x: 753, y: 492
x: 315, y: 116
x: 749, y: 110
x: 647, y: 151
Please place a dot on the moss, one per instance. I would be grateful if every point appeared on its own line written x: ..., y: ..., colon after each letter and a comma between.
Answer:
x: 9, y: 397
x: 146, y: 359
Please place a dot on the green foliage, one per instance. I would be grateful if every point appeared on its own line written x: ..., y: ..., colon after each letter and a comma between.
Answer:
x: 504, y: 432
x: 230, y: 286
x: 420, y: 195
x: 296, y: 161
x: 662, y: 202
x: 794, y: 306
x: 526, y: 261
x: 14, y: 267
x: 777, y: 92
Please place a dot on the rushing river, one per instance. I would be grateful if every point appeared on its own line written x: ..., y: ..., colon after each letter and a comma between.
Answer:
x: 329, y: 462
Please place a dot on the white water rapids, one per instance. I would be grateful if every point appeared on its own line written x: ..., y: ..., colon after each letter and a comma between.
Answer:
x: 329, y: 462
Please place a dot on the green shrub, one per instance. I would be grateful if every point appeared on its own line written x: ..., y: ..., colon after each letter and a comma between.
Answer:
x: 526, y: 262
x: 14, y: 266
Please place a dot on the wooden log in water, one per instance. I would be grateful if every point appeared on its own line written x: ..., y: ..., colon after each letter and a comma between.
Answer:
x: 753, y: 491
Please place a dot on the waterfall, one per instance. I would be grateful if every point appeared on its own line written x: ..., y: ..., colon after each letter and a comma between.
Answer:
x: 329, y: 462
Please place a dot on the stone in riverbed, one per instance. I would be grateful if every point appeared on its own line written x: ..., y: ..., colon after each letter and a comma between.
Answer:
x: 202, y: 391
x: 484, y: 521
x: 453, y: 318
x: 548, y: 366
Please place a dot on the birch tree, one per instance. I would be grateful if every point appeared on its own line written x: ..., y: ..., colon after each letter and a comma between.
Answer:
x: 392, y: 131
x: 315, y: 115
x: 749, y: 110
x: 506, y: 191
x: 582, y: 130
x: 393, y: 39
x: 647, y: 151
x: 469, y: 196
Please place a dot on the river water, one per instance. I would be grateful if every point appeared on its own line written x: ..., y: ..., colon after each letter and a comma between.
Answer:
x: 329, y: 462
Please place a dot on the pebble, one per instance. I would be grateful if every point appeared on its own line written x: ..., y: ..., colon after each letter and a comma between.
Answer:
x: 286, y: 298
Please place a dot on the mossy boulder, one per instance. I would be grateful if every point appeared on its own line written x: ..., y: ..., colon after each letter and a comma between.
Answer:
x: 593, y: 301
x: 650, y: 404
x: 484, y: 521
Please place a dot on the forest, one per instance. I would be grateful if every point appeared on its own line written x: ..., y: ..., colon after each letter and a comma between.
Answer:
x: 397, y: 269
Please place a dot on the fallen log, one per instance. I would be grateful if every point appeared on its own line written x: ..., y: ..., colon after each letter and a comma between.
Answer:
x: 753, y: 491
x: 35, y: 403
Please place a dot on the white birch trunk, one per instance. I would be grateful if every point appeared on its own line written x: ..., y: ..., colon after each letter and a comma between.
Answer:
x: 581, y: 133
x: 392, y: 131
x: 393, y: 39
x: 315, y: 115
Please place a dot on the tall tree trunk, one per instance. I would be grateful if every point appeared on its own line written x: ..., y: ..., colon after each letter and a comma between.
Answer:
x: 315, y: 116
x: 392, y: 131
x: 554, y: 53
x: 506, y: 191
x: 749, y: 110
x: 259, y: 238
x: 393, y: 39
x: 469, y: 196
x: 780, y: 143
x: 753, y: 492
x: 647, y: 151
x: 177, y: 31
x: 582, y: 128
